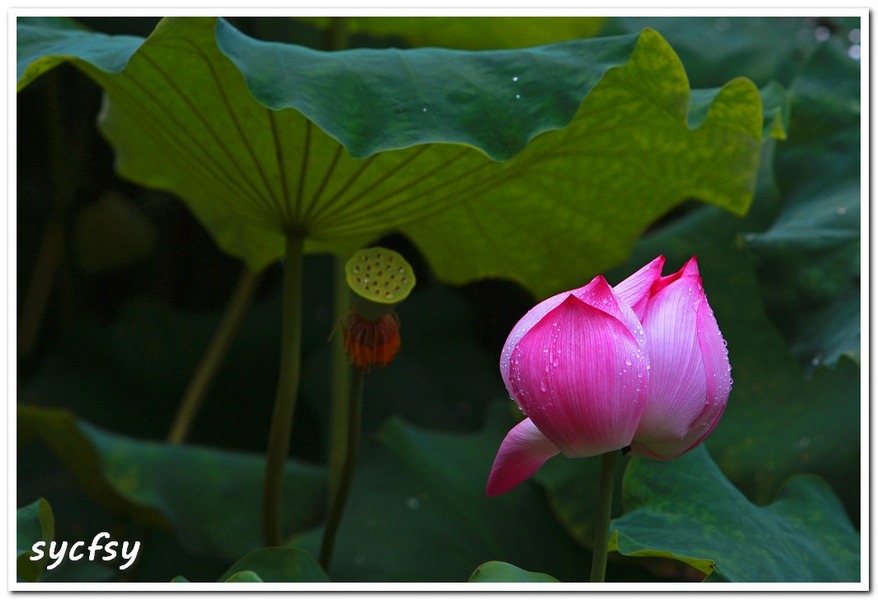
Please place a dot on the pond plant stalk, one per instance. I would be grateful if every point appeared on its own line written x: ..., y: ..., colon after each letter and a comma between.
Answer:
x: 287, y: 388
x: 340, y: 384
x: 213, y: 357
x: 602, y: 520
x: 379, y: 279
x: 341, y: 479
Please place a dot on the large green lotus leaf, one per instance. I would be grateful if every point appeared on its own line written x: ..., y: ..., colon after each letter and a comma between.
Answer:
x: 418, y: 512
x: 33, y: 523
x: 470, y: 33
x: 810, y: 256
x: 686, y: 509
x: 211, y: 498
x: 474, y: 155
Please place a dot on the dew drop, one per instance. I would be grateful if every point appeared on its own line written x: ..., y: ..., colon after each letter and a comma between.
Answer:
x: 515, y: 78
x: 518, y: 96
x: 628, y: 362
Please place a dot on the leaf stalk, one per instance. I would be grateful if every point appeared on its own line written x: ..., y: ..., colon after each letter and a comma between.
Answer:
x: 287, y: 388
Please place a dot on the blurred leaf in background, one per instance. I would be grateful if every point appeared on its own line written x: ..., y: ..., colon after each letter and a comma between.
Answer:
x: 34, y: 523
x: 808, y: 261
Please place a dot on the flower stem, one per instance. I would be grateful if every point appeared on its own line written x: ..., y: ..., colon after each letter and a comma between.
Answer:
x: 602, y: 522
x: 213, y: 357
x: 341, y: 383
x: 347, y: 474
x: 287, y: 389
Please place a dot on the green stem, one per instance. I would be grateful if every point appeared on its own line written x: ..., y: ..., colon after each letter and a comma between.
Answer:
x: 347, y: 474
x: 213, y: 357
x: 287, y: 389
x: 341, y: 383
x: 602, y: 523
x: 64, y: 157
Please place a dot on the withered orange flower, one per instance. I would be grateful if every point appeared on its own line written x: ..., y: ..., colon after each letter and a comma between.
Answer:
x: 369, y: 343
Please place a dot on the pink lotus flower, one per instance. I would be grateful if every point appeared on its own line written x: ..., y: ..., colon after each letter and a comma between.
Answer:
x: 576, y: 364
x: 598, y: 369
x: 690, y: 372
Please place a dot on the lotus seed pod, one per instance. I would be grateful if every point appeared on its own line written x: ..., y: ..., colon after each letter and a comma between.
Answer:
x: 380, y: 277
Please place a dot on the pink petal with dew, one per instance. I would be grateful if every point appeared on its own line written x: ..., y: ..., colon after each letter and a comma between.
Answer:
x: 677, y: 383
x: 714, y: 372
x: 600, y: 295
x: 524, y: 325
x: 521, y: 454
x: 581, y: 377
x: 690, y: 269
x: 635, y: 290
x: 597, y: 293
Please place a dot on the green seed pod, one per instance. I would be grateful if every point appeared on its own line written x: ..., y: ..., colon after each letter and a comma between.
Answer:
x: 380, y: 278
